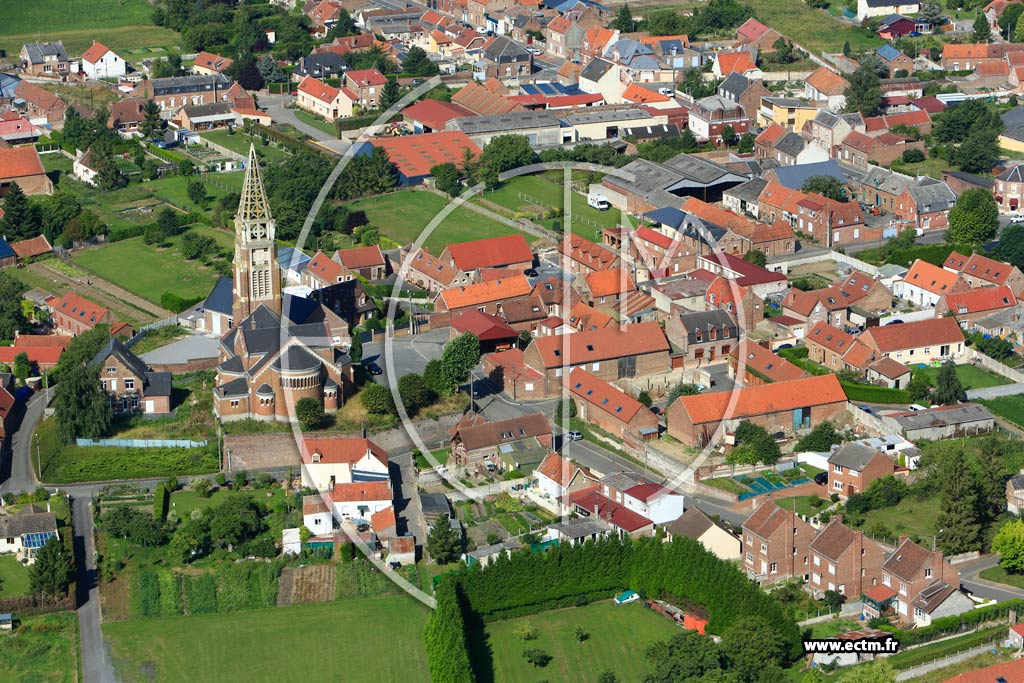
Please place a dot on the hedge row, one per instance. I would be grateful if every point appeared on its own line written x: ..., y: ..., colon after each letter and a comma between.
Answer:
x: 176, y: 304
x: 872, y: 394
x: 161, y: 502
x: 445, y: 638
x: 945, y: 626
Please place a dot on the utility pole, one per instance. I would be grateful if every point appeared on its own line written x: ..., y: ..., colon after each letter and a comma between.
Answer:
x: 39, y: 465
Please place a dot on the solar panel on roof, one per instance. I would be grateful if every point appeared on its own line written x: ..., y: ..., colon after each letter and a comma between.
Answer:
x: 37, y: 540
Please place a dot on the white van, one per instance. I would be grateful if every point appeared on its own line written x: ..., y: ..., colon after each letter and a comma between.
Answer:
x: 598, y: 202
x: 916, y: 407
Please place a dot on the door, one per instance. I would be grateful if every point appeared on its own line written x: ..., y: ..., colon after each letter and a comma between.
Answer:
x: 149, y: 406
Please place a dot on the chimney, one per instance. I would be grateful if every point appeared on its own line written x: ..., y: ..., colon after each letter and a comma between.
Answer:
x: 597, y: 510
x: 903, y: 537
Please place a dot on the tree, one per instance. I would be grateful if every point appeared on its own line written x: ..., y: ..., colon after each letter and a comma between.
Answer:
x: 975, y: 218
x: 52, y: 571
x: 1009, y: 543
x: 152, y: 123
x: 12, y: 315
x: 607, y: 677
x: 919, y: 387
x: 309, y: 412
x: 443, y: 542
x: 931, y: 12
x: 433, y: 377
x: 355, y: 352
x: 982, y: 30
x: 751, y: 644
x: 645, y: 398
x: 826, y: 186
x: 958, y: 525
x: 506, y: 152
x: 197, y: 192
x: 344, y: 26
x: 22, y: 367
x: 377, y: 399
x: 581, y: 634
x: 948, y: 390
x: 820, y: 439
x: 864, y: 94
x: 913, y: 156
x: 191, y: 539
x: 784, y: 51
x: 728, y: 135
x: 525, y: 631
x: 686, y: 656
x: 417, y: 63
x: 202, y: 487
x: 846, y: 48
x: 745, y: 144
x: 194, y: 245
x: 186, y: 168
x: 270, y: 70
x: 833, y: 599
x: 957, y: 123
x: 757, y: 257
x: 457, y: 359
x: 413, y: 391
x: 757, y: 437
x: 1009, y: 17
x: 446, y: 178
x: 681, y: 389
x: 537, y: 657
x: 978, y: 153
x: 1018, y: 32
x: 236, y: 520
x: 19, y: 219
x: 623, y: 20
x: 389, y: 94
x: 664, y: 22
x: 81, y: 405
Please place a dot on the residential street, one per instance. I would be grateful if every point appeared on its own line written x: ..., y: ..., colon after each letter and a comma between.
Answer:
x: 16, y: 469
x: 96, y: 664
x: 981, y: 587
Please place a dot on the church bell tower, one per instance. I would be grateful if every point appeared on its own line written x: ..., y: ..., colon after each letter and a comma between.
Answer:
x: 257, y: 274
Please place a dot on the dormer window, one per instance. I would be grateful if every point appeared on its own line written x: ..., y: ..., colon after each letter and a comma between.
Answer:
x: 316, y: 457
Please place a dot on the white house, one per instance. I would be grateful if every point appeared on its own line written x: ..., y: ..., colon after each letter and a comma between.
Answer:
x: 937, y: 600
x: 324, y: 100
x: 881, y: 8
x: 316, y: 514
x: 924, y: 284
x: 25, y: 532
x: 82, y: 168
x: 360, y: 500
x: 557, y: 476
x: 326, y: 463
x: 601, y: 77
x: 655, y: 502
x: 711, y: 534
x: 99, y: 61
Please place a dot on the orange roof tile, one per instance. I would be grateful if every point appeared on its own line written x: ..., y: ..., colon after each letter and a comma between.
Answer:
x: 415, y: 155
x: 32, y: 247
x: 915, y: 335
x: 485, y: 292
x: 77, y: 307
x: 981, y: 299
x: 589, y: 389
x: 604, y: 344
x: 361, y: 491
x: 18, y: 162
x: 341, y: 450
x: 981, y: 267
x: 764, y: 362
x: 363, y: 77
x: 609, y: 282
x: 325, y: 269
x: 383, y: 519
x: 771, y: 134
x: 640, y: 95
x: 832, y: 338
x: 360, y: 257
x: 763, y: 399
x: 931, y: 278
x: 491, y: 252
x: 827, y: 82
x: 318, y: 89
x: 735, y: 62
x: 95, y: 52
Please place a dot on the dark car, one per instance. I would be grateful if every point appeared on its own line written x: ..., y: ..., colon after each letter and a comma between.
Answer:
x: 784, y: 346
x: 656, y: 410
x: 895, y: 322
x: 821, y: 478
x: 373, y: 368
x: 867, y: 409
x: 530, y: 272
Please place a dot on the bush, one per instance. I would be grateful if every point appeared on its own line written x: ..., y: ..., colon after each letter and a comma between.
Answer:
x: 912, y: 156
x: 200, y: 593
x: 145, y: 594
x: 176, y: 304
x: 161, y: 502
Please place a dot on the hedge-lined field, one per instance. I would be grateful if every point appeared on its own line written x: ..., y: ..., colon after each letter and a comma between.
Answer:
x: 102, y: 463
x: 230, y: 588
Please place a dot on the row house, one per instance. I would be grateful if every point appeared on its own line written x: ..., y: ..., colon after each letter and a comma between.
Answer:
x: 862, y: 151
x: 760, y: 366
x: 367, y: 262
x: 843, y: 560
x: 702, y: 336
x: 325, y: 101
x: 502, y: 58
x: 982, y: 271
x: 926, y: 204
x: 828, y: 130
x: 881, y: 188
x: 610, y: 408
x: 925, y: 284
x: 915, y: 118
x: 502, y: 445
x: 178, y: 91
x: 485, y: 297
x: 1008, y: 189
x: 923, y: 341
x: 776, y: 545
x: 746, y: 92
x: 509, y: 252
x: 594, y: 42
x: 788, y: 112
x: 970, y: 307
x: 432, y: 273
x: 709, y: 116
x: 584, y: 257
x: 835, y: 349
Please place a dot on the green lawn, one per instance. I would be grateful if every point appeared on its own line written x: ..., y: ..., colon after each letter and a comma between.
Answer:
x: 618, y: 637
x: 367, y: 640
x: 239, y: 143
x: 1000, y: 575
x: 803, y: 504
x: 970, y: 376
x: 403, y: 215
x: 316, y: 122
x: 147, y: 270
x: 13, y: 577
x: 184, y: 502
x: 912, y: 517
x: 121, y: 24
x: 1009, y: 407
x: 928, y: 167
x: 810, y: 28
x: 41, y: 650
x: 726, y: 484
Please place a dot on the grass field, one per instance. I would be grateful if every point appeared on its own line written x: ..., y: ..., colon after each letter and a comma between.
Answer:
x: 912, y: 517
x: 316, y: 122
x: 1009, y: 407
x: 41, y: 650
x: 403, y: 215
x: 147, y: 270
x: 13, y: 577
x: 362, y: 641
x: 811, y: 28
x: 239, y: 142
x: 1000, y: 575
x: 618, y: 637
x: 121, y: 24
x: 803, y: 504
x: 970, y: 377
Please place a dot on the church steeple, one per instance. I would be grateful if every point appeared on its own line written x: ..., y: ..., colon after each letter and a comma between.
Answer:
x: 257, y: 275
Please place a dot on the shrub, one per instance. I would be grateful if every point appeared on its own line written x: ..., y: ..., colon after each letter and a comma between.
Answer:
x: 912, y: 156
x: 201, y: 593
x: 161, y: 502
x: 145, y: 594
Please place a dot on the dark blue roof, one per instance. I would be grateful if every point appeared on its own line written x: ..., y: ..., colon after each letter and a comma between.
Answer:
x: 221, y: 299
x: 794, y: 177
x: 887, y: 52
x: 670, y: 216
x: 5, y: 249
x: 549, y: 89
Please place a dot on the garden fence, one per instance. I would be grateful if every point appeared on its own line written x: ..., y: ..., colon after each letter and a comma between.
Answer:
x: 170, y: 320
x: 141, y: 443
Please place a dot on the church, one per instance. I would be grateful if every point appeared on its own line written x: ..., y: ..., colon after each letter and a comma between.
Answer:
x: 278, y: 349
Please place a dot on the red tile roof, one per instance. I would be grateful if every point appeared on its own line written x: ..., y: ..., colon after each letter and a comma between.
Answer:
x: 828, y: 82
x: 43, y: 350
x: 341, y: 450
x: 603, y: 344
x: 1011, y: 672
x: 360, y: 257
x: 485, y: 326
x: 763, y: 399
x: 82, y: 310
x: 434, y: 113
x: 735, y: 62
x: 880, y: 593
x: 512, y: 361
x: 981, y: 267
x: 615, y: 514
x: 383, y: 519
x: 766, y: 363
x: 367, y: 77
x: 752, y: 29
x: 95, y: 52
x: 640, y: 95
x: 325, y: 269
x: 915, y: 334
x: 32, y: 247
x: 480, y: 99
x: 485, y: 292
x: 361, y: 491
x: 932, y: 105
x: 589, y: 389
x: 214, y: 62
x: 558, y: 469
x: 832, y: 338
x: 18, y: 162
x: 491, y: 252
x: 981, y: 299
x: 318, y: 89
x: 609, y: 282
x: 415, y: 155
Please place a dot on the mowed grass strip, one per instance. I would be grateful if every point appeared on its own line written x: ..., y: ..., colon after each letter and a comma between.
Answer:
x: 810, y: 28
x: 76, y: 40
x: 618, y: 637
x: 148, y: 270
x: 402, y: 216
x: 970, y: 376
x: 1008, y: 407
x: 13, y: 577
x: 41, y: 650
x: 271, y: 645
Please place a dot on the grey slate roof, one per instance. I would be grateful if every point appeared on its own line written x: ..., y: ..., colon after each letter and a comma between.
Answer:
x: 27, y: 521
x: 179, y: 84
x: 706, y: 320
x: 1017, y: 482
x: 158, y: 384
x: 749, y: 191
x: 853, y: 455
x: 794, y: 177
x: 602, y: 115
x: 212, y: 109
x: 933, y: 195
x: 38, y: 52
x: 595, y: 70
x: 971, y: 178
x: 692, y: 524
x: 582, y: 527
x: 734, y: 86
x: 220, y: 299
x: 702, y: 171
x: 1014, y: 174
x: 961, y: 414
x: 887, y: 181
x: 791, y: 144
x: 505, y: 51
x: 1013, y: 123
x: 523, y: 120
x: 115, y: 347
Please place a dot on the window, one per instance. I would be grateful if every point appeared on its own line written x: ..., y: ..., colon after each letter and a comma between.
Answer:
x: 903, y: 588
x: 928, y: 573
x: 750, y: 557
x: 764, y: 548
x: 831, y: 568
x: 817, y: 561
x: 528, y: 386
x: 595, y: 366
x: 234, y: 403
x: 111, y: 370
x: 837, y: 468
x: 129, y: 383
x: 885, y: 579
x: 837, y: 485
x: 773, y: 568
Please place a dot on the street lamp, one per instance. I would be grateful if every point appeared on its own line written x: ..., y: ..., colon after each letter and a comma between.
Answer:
x: 39, y: 466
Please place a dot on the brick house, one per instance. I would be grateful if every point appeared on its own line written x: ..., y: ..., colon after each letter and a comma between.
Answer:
x: 45, y: 59
x: 322, y: 271
x: 969, y: 307
x: 129, y: 384
x: 509, y: 252
x: 43, y: 350
x: 843, y: 560
x: 828, y: 345
x: 761, y: 366
x: 609, y: 354
x: 861, y: 151
x: 1009, y: 189
x: 917, y: 342
x: 982, y: 271
x: 558, y: 476
x: 72, y: 315
x: 745, y: 92
x: 776, y: 545
x: 909, y: 570
x: 175, y: 92
x: 584, y: 256
x: 853, y: 466
x: 22, y: 165
x: 709, y: 117
x: 610, y: 408
x: 429, y: 272
x: 703, y: 336
x: 482, y: 296
x: 368, y: 262
x: 516, y: 443
x: 895, y: 60
x: 926, y: 204
x: 40, y: 103
x: 366, y: 84
x: 503, y: 58
x: 789, y: 407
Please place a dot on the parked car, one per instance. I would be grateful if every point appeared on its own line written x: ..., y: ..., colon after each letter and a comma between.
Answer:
x: 373, y: 368
x: 656, y: 410
x: 916, y: 407
x: 599, y: 202
x: 867, y: 409
x: 821, y: 478
x: 895, y: 322
x: 530, y: 272
x: 1017, y: 218
x: 574, y: 435
x: 784, y: 346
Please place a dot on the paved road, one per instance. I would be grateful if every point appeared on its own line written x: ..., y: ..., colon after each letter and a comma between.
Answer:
x: 410, y: 353
x: 275, y: 106
x: 983, y: 588
x: 410, y: 514
x: 96, y: 664
x: 15, y: 469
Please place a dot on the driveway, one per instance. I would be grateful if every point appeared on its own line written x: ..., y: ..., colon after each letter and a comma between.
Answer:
x: 182, y: 351
x: 275, y: 105
x: 411, y: 353
x: 983, y: 588
x: 995, y: 392
x: 96, y: 664
x: 15, y: 468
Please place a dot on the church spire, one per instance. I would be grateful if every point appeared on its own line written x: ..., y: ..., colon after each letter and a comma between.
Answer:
x: 253, y: 205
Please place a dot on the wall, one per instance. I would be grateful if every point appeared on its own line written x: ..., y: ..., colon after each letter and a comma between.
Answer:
x: 783, y: 265
x: 913, y: 316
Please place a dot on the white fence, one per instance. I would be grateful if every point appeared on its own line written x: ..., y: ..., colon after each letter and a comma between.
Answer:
x: 910, y: 317
x: 784, y: 265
